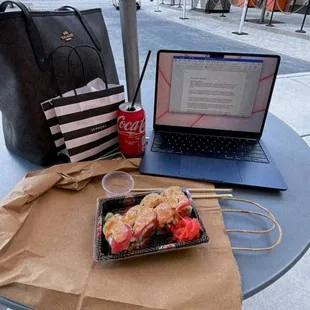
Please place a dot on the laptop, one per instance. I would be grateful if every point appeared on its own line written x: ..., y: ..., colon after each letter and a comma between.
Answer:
x: 209, y: 115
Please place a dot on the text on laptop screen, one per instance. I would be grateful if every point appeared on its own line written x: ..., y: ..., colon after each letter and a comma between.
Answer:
x: 229, y: 93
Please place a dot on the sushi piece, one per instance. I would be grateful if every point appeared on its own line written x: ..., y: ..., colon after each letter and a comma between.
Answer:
x: 117, y: 233
x: 172, y: 191
x: 110, y: 221
x: 152, y: 200
x: 184, y: 207
x: 130, y: 217
x: 176, y: 198
x: 144, y: 227
x: 165, y: 216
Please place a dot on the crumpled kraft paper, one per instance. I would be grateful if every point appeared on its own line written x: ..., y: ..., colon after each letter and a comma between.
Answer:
x: 47, y: 228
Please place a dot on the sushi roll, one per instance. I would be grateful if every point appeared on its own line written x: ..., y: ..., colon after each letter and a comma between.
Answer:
x: 152, y: 200
x: 159, y: 213
x: 117, y: 233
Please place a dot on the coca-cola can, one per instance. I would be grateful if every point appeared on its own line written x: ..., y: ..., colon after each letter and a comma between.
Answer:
x: 131, y: 130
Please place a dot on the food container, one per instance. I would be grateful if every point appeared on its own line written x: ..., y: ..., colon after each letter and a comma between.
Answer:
x: 157, y: 243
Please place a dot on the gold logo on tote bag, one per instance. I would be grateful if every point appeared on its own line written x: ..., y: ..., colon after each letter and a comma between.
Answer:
x: 66, y: 36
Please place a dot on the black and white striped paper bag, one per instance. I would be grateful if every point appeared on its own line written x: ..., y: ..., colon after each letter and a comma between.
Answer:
x: 84, y: 126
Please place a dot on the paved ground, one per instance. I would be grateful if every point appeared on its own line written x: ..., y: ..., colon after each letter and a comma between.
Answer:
x: 284, y: 22
x: 154, y: 35
x: 290, y: 101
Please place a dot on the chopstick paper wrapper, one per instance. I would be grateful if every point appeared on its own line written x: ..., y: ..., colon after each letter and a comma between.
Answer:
x: 192, y: 190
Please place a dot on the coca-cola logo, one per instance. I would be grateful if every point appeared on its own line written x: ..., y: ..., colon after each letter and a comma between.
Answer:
x: 136, y: 126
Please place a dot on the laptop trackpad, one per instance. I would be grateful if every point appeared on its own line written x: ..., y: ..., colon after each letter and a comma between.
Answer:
x: 210, y: 169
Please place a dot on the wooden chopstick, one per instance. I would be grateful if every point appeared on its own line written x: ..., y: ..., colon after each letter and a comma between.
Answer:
x: 223, y: 196
x: 192, y: 190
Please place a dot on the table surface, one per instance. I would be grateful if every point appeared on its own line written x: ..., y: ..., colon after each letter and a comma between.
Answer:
x: 291, y: 208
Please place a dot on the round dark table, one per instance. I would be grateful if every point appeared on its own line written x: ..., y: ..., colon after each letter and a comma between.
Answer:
x: 291, y: 208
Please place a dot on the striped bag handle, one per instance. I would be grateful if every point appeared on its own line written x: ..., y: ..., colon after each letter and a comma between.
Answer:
x: 52, y: 67
x: 100, y: 59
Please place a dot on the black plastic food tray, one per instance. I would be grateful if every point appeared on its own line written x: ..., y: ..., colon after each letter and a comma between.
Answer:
x: 156, y: 244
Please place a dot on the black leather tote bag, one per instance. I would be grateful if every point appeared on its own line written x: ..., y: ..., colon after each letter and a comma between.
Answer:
x: 26, y: 41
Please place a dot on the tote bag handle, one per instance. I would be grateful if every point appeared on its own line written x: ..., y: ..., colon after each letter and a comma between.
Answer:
x: 85, y: 24
x: 33, y: 33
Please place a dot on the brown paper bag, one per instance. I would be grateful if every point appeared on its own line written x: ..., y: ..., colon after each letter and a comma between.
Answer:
x: 46, y: 245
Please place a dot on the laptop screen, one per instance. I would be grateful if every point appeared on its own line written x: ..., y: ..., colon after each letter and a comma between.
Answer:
x: 214, y: 91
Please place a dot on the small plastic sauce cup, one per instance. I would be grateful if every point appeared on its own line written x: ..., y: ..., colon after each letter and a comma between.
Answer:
x: 117, y: 183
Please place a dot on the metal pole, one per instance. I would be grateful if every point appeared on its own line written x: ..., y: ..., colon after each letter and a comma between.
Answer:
x: 184, y: 11
x: 239, y: 32
x: 246, y: 12
x: 304, y: 19
x: 128, y: 18
x: 223, y: 15
x: 157, y: 9
x: 262, y: 15
x: 208, y: 10
x: 270, y: 20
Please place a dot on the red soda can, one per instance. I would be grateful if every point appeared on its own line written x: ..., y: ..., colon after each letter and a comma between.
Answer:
x: 131, y: 129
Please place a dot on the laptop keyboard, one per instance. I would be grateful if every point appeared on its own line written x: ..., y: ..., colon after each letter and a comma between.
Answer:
x: 209, y: 146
